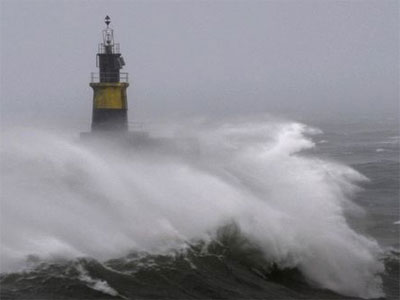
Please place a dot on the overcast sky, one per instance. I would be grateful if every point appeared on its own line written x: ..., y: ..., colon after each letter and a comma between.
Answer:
x: 203, y: 57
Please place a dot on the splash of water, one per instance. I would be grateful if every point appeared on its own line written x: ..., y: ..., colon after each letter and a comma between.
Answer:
x: 63, y: 199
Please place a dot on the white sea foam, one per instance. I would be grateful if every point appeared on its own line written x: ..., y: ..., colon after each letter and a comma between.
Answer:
x: 60, y: 198
x: 96, y: 284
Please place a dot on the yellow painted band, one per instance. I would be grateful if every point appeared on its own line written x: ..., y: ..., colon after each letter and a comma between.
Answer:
x: 109, y: 95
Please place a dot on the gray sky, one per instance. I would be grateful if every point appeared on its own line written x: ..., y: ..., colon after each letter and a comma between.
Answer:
x: 203, y: 57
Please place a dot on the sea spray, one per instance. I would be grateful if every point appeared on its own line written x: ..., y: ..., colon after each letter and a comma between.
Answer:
x: 61, y: 198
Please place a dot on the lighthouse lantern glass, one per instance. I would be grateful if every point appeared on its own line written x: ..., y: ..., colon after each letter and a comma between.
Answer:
x: 108, y: 37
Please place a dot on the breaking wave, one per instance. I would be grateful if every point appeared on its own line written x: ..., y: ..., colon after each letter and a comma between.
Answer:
x: 62, y: 199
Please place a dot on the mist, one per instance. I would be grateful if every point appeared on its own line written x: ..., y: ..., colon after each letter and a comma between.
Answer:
x: 301, y: 59
x: 246, y: 81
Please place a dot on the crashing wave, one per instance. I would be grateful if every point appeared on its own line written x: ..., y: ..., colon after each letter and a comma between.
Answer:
x: 64, y: 199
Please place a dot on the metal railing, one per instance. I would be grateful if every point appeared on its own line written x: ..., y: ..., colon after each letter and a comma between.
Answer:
x: 114, y: 48
x: 96, y: 77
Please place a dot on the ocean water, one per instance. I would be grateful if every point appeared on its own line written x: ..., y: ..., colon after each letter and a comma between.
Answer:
x: 263, y: 209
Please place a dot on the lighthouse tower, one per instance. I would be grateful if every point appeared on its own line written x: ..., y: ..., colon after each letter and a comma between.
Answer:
x: 109, y: 86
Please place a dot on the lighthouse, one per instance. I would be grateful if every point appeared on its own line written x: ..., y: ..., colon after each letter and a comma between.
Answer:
x: 110, y: 108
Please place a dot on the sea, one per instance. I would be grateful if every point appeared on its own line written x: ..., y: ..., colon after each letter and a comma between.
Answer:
x: 263, y: 208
